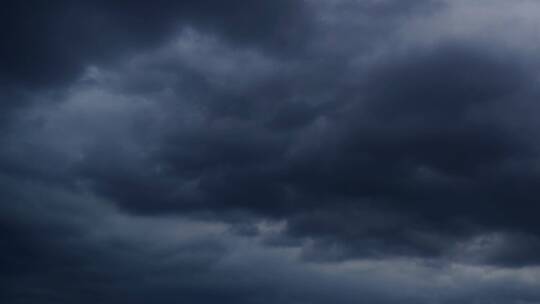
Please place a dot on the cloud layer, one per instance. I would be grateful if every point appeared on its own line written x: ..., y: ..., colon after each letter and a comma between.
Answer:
x: 285, y: 151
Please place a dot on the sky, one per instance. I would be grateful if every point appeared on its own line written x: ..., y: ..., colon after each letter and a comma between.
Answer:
x: 261, y: 152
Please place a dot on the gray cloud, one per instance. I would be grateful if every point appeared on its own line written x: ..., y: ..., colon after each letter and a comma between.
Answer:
x: 303, y: 152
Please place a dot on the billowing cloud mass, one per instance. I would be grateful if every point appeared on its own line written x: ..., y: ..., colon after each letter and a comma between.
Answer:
x: 317, y: 151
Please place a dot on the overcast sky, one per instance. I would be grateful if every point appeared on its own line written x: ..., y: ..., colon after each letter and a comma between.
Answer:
x: 261, y: 152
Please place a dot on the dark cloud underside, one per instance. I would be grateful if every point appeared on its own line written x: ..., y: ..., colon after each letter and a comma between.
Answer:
x: 269, y: 152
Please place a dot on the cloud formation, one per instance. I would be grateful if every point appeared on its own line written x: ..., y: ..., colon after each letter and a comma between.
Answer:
x: 285, y: 151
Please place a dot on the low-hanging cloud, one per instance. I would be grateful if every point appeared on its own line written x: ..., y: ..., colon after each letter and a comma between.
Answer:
x: 316, y: 144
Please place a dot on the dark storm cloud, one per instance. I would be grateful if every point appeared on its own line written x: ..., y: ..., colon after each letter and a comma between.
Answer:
x: 47, y: 45
x: 49, y: 42
x: 419, y: 134
x: 60, y: 245
x: 51, y: 252
x: 263, y: 152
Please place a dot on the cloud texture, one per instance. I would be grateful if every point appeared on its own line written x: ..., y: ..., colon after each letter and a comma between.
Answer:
x: 269, y: 152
